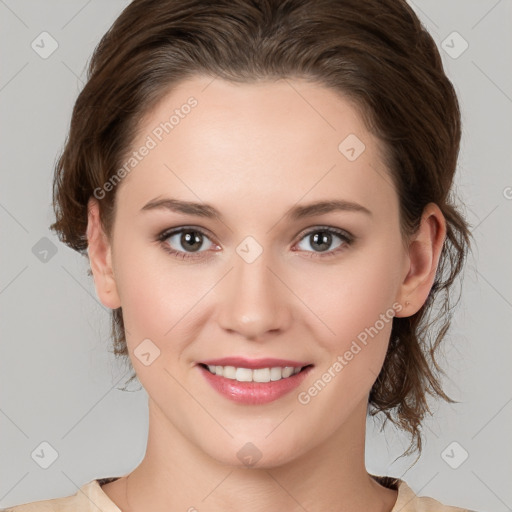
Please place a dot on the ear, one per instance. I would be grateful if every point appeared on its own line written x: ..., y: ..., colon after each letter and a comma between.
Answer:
x: 424, y: 252
x: 100, y: 258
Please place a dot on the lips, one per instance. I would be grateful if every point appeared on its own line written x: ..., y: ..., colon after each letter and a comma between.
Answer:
x: 265, y: 388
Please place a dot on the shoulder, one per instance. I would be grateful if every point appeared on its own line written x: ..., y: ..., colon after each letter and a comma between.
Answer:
x: 87, y: 499
x: 408, y: 501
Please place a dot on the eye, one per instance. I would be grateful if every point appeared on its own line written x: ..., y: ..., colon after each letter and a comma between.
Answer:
x: 187, y: 242
x: 321, y: 238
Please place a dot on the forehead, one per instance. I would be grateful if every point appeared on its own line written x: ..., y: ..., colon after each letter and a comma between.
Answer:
x: 208, y: 139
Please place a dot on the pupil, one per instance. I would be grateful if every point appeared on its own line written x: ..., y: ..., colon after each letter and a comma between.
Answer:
x: 191, y: 240
x: 324, y: 240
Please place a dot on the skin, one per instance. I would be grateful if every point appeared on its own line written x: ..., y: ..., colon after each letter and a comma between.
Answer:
x: 253, y: 151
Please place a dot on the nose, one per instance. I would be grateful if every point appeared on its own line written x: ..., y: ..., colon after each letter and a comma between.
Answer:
x: 254, y: 300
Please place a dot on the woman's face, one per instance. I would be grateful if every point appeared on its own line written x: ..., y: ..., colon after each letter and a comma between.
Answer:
x: 267, y: 276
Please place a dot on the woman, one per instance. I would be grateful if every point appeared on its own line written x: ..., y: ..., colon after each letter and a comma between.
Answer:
x: 262, y: 189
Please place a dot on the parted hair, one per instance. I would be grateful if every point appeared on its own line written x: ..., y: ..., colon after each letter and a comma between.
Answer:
x: 376, y: 53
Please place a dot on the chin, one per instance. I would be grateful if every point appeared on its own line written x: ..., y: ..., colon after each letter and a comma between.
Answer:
x: 254, y: 452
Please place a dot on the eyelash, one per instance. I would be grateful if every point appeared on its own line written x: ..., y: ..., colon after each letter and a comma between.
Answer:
x: 347, y: 238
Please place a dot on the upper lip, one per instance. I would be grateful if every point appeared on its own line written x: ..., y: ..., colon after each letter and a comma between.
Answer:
x: 242, y: 362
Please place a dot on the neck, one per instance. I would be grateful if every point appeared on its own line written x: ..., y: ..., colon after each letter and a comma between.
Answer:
x: 182, y: 477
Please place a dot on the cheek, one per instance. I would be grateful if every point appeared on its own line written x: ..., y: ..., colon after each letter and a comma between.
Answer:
x: 159, y: 297
x: 137, y: 282
x: 358, y: 309
x: 353, y: 296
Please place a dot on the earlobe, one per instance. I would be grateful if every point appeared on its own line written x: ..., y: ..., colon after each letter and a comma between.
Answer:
x: 425, y: 250
x: 100, y: 257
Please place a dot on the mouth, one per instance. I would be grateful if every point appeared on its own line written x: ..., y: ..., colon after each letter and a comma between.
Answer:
x: 254, y: 382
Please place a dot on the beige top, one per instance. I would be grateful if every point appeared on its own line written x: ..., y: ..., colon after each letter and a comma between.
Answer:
x: 91, y: 498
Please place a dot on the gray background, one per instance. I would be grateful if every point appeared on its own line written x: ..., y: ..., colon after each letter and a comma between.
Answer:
x: 58, y: 380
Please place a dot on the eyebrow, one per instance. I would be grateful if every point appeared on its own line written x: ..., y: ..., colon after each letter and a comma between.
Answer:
x: 295, y: 213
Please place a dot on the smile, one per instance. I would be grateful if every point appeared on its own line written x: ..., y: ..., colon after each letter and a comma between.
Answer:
x: 254, y: 386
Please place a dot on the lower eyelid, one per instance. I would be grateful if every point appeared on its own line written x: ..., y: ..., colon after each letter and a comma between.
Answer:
x: 326, y: 254
x: 346, y: 239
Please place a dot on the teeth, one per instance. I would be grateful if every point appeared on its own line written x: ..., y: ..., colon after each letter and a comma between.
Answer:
x: 257, y: 375
x: 229, y: 372
x: 287, y: 371
x: 276, y: 373
x: 243, y: 375
x: 261, y: 375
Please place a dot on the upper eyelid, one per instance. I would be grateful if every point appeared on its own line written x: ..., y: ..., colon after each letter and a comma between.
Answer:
x: 174, y: 231
x: 303, y: 233
x: 344, y: 235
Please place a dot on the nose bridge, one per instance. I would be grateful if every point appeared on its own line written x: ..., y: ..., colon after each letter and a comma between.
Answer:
x: 253, y: 302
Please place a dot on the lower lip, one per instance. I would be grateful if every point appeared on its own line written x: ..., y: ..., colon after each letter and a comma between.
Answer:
x: 253, y: 393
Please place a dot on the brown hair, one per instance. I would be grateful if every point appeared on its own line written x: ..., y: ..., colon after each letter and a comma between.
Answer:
x: 375, y: 52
